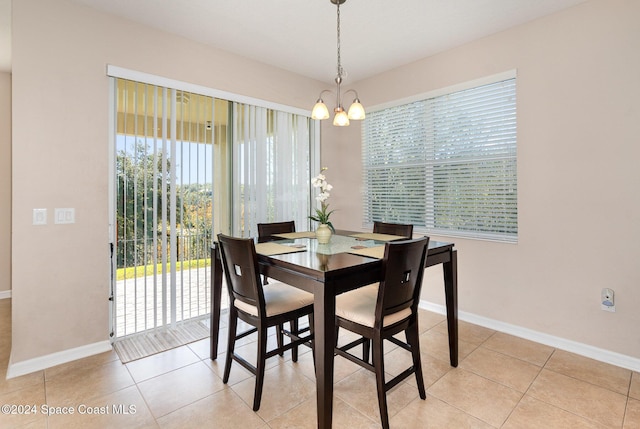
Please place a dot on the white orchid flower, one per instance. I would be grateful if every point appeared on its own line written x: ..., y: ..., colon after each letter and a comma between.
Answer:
x: 322, y: 214
x: 322, y: 197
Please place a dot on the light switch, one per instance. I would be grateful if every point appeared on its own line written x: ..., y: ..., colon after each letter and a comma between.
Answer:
x: 39, y: 216
x: 66, y: 215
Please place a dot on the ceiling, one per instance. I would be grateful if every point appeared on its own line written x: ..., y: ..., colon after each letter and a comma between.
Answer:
x: 376, y: 35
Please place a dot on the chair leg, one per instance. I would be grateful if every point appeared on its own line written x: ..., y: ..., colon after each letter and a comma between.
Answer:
x: 414, y: 342
x: 378, y: 360
x: 366, y: 347
x: 231, y: 344
x: 280, y: 337
x: 260, y: 364
x: 293, y: 324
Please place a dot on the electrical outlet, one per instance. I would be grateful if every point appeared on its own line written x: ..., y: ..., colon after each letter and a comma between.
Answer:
x: 607, y: 302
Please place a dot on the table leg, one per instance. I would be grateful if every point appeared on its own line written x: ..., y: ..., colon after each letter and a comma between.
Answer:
x: 324, y: 308
x: 216, y: 296
x: 450, y: 269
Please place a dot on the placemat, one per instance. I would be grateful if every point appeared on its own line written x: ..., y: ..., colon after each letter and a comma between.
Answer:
x: 372, y: 252
x: 377, y: 237
x: 294, y: 235
x: 270, y: 249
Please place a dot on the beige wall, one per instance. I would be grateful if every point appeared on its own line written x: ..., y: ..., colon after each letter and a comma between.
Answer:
x: 5, y: 182
x: 578, y: 88
x: 60, y: 155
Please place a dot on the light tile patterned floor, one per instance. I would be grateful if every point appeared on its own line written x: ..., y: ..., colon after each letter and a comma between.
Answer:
x: 501, y: 382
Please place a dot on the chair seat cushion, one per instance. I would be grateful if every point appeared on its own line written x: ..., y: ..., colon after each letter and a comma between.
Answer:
x: 279, y: 298
x: 359, y: 306
x: 371, y: 289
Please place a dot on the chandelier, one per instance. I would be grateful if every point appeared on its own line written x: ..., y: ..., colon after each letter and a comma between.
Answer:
x: 341, y: 118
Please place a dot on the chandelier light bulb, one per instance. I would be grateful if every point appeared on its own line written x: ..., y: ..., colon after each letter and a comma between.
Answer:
x: 320, y: 110
x: 341, y: 119
x: 356, y: 110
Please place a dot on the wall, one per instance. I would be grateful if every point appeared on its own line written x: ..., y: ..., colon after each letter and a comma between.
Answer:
x: 5, y: 184
x: 578, y: 176
x: 60, y: 158
x: 578, y: 125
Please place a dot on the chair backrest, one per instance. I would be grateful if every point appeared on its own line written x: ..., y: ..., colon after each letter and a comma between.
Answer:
x: 240, y: 265
x: 402, y: 267
x: 403, y: 230
x: 266, y: 230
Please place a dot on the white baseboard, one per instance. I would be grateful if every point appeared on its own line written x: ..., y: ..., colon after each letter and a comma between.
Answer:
x: 586, y: 350
x: 5, y: 294
x: 53, y: 359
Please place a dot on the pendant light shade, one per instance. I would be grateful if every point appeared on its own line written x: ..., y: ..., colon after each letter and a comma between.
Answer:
x: 320, y: 110
x: 341, y: 119
x: 356, y: 110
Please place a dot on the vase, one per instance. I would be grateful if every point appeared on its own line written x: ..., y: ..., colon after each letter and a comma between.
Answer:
x: 323, y: 233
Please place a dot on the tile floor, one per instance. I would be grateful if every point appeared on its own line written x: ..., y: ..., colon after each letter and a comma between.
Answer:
x: 501, y: 382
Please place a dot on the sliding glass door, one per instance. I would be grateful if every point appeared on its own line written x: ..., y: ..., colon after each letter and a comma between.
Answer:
x: 167, y: 144
x: 188, y: 166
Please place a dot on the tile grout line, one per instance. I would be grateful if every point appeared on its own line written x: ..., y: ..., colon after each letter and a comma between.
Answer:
x: 144, y: 400
x: 524, y: 394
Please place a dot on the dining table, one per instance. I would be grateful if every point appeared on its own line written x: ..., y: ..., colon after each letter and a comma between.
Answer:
x: 350, y: 260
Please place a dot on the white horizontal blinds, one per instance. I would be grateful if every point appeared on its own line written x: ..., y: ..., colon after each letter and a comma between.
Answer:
x: 446, y: 164
x: 473, y: 167
x: 271, y: 168
x: 395, y: 165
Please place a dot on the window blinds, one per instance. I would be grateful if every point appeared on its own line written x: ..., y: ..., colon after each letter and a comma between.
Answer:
x: 446, y: 164
x: 271, y: 152
x: 163, y: 179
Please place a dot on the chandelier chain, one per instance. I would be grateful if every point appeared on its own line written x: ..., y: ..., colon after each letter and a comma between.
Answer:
x: 339, y: 63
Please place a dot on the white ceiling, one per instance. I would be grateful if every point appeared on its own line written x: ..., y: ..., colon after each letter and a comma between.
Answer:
x: 300, y: 35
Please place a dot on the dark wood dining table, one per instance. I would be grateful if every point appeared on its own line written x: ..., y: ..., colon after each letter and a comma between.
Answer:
x: 326, y: 273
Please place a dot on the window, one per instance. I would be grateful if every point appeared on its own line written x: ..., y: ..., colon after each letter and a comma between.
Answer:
x: 446, y: 164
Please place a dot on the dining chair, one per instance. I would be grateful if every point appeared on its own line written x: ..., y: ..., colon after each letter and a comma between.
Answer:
x: 262, y: 307
x: 404, y: 230
x: 265, y: 233
x: 267, y: 230
x: 378, y: 317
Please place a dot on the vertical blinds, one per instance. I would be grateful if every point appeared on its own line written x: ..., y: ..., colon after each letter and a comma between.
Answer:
x: 446, y: 164
x: 163, y: 205
x: 271, y: 152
